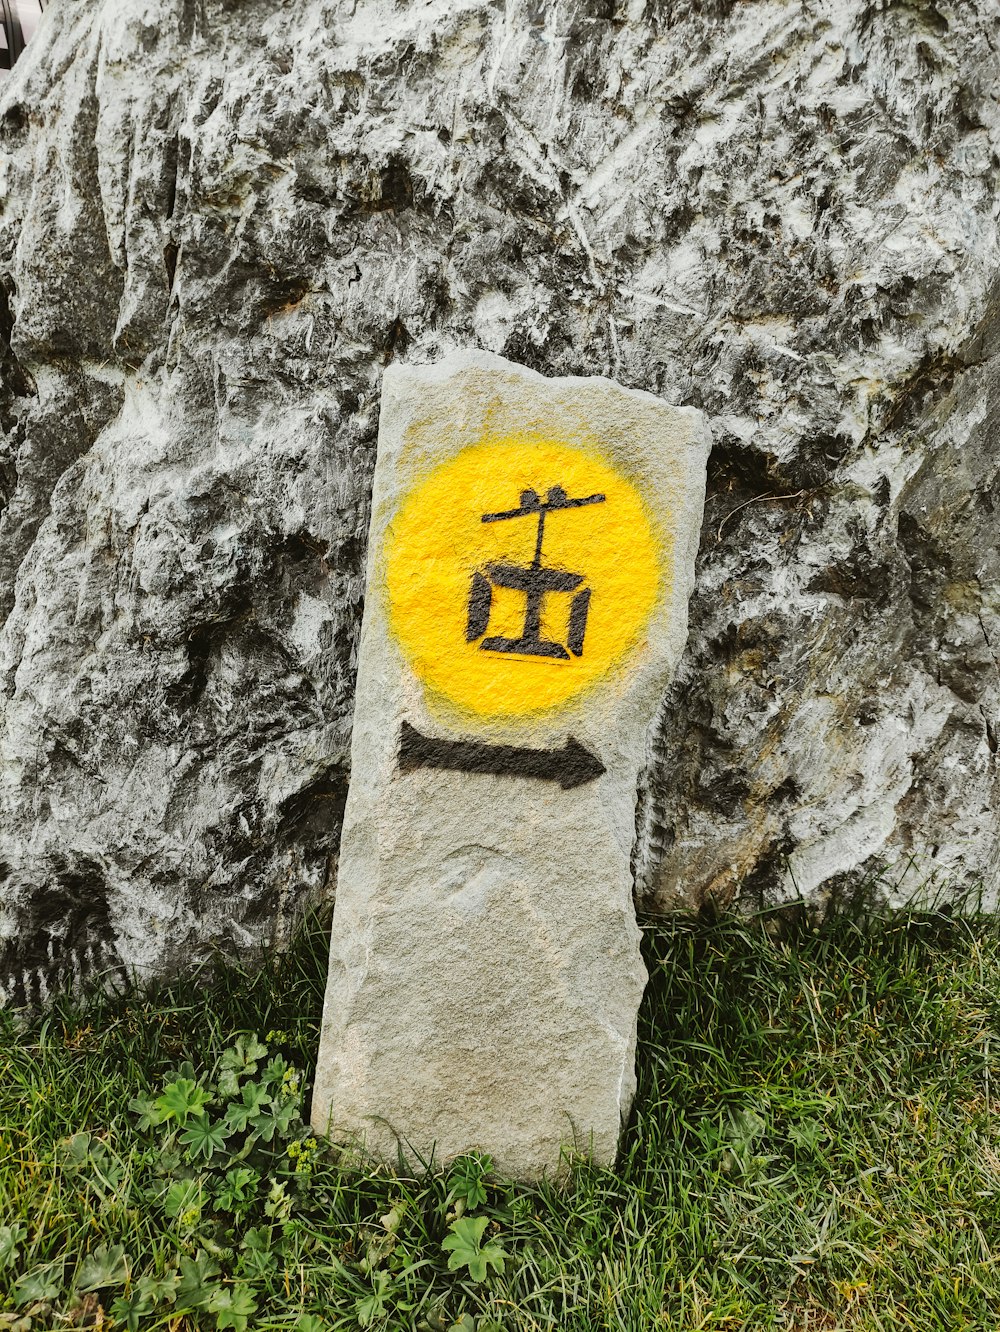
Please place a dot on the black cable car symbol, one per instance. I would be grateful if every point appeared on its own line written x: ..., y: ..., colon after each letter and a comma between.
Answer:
x: 536, y: 582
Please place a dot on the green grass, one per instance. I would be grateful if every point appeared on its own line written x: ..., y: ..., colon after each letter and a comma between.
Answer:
x: 815, y: 1145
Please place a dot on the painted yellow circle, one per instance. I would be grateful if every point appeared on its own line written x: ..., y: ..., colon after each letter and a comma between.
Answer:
x: 460, y: 589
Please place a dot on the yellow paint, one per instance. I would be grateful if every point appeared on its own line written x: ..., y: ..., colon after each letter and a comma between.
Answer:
x: 437, y: 541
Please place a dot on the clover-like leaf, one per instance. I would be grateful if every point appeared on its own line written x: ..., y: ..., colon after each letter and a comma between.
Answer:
x: 10, y: 1238
x: 149, y: 1113
x: 371, y: 1308
x: 244, y: 1055
x: 237, y: 1190
x: 160, y: 1290
x: 260, y: 1252
x: 232, y: 1307
x: 41, y: 1283
x: 254, y: 1101
x: 275, y: 1121
x: 183, y: 1200
x: 240, y: 1061
x: 130, y: 1308
x: 275, y: 1071
x: 86, y: 1156
x: 196, y: 1286
x: 181, y: 1099
x: 74, y: 1153
x: 467, y: 1249
x: 104, y: 1266
x: 204, y: 1138
x: 466, y: 1180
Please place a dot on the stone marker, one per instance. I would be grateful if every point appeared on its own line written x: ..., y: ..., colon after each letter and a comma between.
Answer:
x: 531, y: 556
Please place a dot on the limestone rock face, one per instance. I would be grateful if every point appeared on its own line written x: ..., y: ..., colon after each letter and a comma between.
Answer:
x: 221, y: 221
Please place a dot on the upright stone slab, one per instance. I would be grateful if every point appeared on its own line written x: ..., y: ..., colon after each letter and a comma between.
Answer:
x: 531, y: 557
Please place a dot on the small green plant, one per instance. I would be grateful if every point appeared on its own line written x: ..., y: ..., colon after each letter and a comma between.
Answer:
x: 210, y: 1151
x: 467, y: 1182
x: 224, y: 1159
x: 225, y: 1147
x: 814, y: 1143
x: 10, y: 1238
x: 181, y: 1099
x: 38, y: 1285
x: 103, y: 1266
x: 465, y: 1242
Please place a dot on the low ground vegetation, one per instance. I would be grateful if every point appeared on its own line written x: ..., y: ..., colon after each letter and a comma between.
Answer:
x: 814, y: 1146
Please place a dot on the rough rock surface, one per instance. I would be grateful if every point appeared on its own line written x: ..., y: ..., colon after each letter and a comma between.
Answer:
x: 485, y: 970
x: 220, y: 221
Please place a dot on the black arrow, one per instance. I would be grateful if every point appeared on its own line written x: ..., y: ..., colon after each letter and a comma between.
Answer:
x: 572, y: 765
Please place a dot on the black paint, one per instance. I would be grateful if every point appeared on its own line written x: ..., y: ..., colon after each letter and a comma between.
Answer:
x: 480, y: 604
x: 530, y: 503
x: 535, y: 582
x: 570, y: 766
x: 578, y: 621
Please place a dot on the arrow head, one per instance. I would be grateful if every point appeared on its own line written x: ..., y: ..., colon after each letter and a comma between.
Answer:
x: 579, y: 765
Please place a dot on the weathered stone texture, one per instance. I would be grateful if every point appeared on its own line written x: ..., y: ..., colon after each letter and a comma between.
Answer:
x: 220, y: 221
x: 485, y: 969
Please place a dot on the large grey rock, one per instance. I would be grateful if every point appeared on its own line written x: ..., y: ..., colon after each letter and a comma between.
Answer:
x: 219, y: 222
x: 485, y: 973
